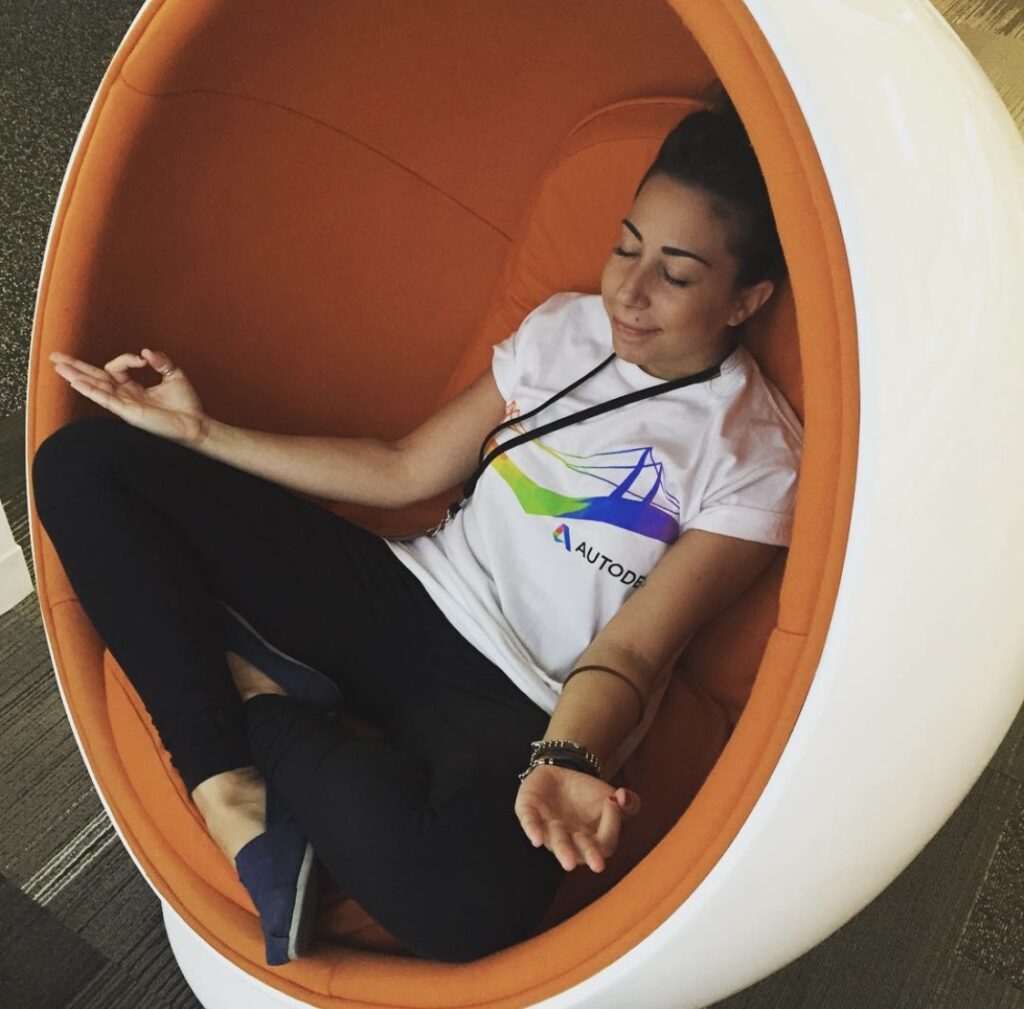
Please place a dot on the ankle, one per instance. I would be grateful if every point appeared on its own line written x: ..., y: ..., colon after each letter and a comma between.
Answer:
x: 236, y: 785
x: 233, y: 807
x: 250, y: 681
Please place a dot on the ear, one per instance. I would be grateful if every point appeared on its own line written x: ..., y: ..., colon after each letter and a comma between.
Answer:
x: 749, y: 300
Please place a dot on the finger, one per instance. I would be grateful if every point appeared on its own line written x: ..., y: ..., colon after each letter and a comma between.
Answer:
x: 78, y: 367
x: 104, y: 398
x: 125, y: 393
x: 589, y: 851
x: 609, y: 827
x: 119, y: 366
x: 629, y: 801
x: 102, y: 380
x: 560, y: 845
x: 160, y: 361
x: 104, y: 384
x: 532, y: 825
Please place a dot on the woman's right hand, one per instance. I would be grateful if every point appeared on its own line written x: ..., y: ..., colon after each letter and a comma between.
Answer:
x: 170, y: 409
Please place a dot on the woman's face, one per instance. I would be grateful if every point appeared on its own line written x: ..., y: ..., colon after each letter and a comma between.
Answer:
x: 669, y: 287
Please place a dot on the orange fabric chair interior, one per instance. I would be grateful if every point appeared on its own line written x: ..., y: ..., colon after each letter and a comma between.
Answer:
x: 265, y: 256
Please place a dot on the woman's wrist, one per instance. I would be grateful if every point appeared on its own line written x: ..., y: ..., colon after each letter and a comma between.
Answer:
x: 200, y: 433
x: 209, y: 437
x: 564, y: 753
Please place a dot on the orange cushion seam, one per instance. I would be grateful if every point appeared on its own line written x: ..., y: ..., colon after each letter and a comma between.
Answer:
x: 329, y: 126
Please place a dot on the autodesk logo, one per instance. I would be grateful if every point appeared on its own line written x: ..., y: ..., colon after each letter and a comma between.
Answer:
x: 594, y: 556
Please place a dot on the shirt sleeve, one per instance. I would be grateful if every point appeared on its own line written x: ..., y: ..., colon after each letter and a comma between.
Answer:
x: 752, y: 494
x: 527, y: 353
x: 761, y: 510
x: 505, y: 366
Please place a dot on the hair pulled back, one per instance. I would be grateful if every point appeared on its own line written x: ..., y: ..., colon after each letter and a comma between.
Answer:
x: 710, y: 151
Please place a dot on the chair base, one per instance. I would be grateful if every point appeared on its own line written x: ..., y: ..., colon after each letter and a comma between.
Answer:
x: 217, y: 983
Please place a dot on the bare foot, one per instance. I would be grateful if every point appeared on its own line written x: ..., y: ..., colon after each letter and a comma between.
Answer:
x: 233, y: 805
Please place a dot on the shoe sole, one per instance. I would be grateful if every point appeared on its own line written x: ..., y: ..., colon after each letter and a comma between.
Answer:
x: 300, y: 933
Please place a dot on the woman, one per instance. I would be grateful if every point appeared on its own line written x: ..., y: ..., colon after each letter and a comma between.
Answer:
x: 549, y: 607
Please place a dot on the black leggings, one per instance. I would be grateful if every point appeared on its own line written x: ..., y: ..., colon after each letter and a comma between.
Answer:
x: 419, y: 827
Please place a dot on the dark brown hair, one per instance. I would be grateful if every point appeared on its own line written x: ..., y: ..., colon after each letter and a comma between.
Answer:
x: 710, y: 151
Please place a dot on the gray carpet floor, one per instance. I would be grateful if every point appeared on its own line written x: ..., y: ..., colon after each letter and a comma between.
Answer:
x: 81, y: 930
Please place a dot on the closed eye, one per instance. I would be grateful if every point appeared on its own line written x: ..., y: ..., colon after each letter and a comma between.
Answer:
x: 618, y: 250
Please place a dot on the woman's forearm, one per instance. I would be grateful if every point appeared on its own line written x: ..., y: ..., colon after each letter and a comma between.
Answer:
x: 367, y: 471
x: 597, y: 710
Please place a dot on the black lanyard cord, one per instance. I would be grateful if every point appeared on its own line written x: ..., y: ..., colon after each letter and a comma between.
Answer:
x: 575, y: 418
x: 537, y: 409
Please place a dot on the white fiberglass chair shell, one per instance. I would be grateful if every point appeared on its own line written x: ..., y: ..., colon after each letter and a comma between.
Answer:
x: 826, y: 728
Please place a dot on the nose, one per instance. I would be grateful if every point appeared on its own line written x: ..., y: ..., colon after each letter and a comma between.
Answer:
x: 633, y: 289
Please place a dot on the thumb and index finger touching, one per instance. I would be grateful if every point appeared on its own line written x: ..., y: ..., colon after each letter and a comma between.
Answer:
x: 158, y: 360
x: 115, y: 388
x: 628, y: 800
x: 118, y: 368
x: 623, y: 804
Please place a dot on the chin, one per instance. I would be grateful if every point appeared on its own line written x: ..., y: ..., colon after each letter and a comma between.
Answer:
x: 632, y: 354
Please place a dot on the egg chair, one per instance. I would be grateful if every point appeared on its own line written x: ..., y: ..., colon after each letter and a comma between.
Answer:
x: 329, y: 213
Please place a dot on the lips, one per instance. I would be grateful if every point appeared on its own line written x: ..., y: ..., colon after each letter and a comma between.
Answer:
x: 630, y: 331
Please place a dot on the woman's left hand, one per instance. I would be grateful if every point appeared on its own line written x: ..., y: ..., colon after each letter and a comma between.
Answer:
x: 575, y: 816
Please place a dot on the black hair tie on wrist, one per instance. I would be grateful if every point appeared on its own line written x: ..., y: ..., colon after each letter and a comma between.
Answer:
x: 641, y: 703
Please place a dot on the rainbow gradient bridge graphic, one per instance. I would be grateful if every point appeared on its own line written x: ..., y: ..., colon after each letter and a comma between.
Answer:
x: 628, y: 491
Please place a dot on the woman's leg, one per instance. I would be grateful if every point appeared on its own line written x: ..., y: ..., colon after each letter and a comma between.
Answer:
x: 421, y: 829
x: 152, y: 534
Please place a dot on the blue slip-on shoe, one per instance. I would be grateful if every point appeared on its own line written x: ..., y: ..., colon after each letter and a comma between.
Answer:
x: 296, y: 678
x: 278, y: 868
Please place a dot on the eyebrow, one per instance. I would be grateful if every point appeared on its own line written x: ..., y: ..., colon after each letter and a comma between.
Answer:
x: 669, y: 250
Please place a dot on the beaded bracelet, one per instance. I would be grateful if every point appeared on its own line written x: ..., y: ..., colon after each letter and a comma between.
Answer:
x: 562, y: 753
x: 614, y: 672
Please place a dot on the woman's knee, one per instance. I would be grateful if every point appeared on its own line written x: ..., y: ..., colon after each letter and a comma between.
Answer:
x: 72, y: 449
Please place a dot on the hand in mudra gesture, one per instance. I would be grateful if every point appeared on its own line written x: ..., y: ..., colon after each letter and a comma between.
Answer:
x: 575, y: 816
x: 171, y: 409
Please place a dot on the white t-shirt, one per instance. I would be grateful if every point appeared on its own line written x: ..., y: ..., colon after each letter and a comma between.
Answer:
x: 561, y: 530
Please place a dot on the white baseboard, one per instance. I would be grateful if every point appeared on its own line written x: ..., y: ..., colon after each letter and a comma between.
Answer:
x: 15, y: 583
